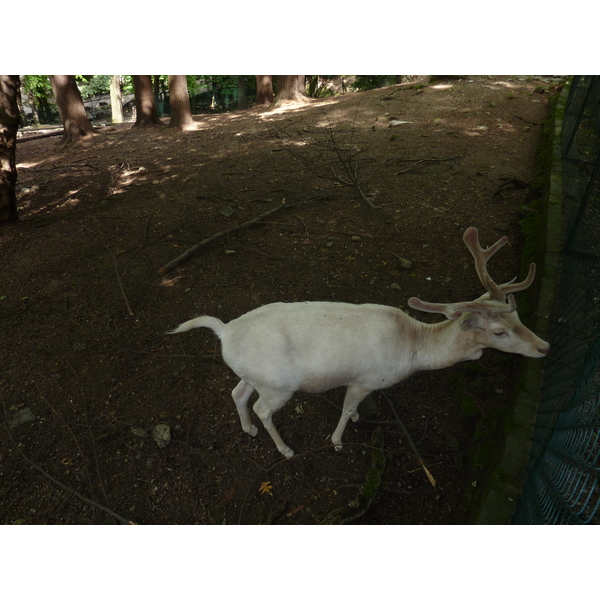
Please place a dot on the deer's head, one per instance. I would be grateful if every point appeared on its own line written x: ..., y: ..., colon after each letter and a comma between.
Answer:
x: 492, y: 319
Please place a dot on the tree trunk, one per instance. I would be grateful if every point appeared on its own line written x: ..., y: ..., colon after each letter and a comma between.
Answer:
x: 181, y: 113
x: 70, y: 106
x: 34, y: 110
x: 264, y: 90
x: 146, y: 114
x: 242, y: 99
x: 9, y: 123
x: 116, y: 99
x: 313, y: 86
x: 290, y: 88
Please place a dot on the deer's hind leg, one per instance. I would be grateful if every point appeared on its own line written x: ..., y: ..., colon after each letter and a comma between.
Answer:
x: 241, y: 394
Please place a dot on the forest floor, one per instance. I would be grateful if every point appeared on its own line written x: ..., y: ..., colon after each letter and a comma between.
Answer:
x: 84, y: 310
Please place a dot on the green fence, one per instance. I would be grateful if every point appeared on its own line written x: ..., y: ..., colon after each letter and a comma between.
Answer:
x: 563, y: 484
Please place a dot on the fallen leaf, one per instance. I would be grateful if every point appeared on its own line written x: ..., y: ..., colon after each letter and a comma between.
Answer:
x: 228, y: 495
x: 265, y: 488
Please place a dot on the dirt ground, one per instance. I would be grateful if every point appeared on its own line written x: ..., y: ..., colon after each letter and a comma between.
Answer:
x: 84, y: 310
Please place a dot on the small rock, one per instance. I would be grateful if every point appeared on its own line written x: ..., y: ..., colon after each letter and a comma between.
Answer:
x: 31, y: 190
x: 139, y: 432
x: 396, y: 122
x: 229, y: 251
x: 396, y: 287
x: 161, y: 434
x: 405, y: 264
x: 355, y: 238
x: 227, y: 210
x: 20, y: 418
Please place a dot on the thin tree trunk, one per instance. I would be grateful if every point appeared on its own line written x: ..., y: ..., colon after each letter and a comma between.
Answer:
x: 264, y: 90
x: 313, y: 86
x: 146, y: 114
x: 70, y: 106
x: 116, y: 99
x: 242, y: 99
x: 181, y: 112
x: 9, y: 123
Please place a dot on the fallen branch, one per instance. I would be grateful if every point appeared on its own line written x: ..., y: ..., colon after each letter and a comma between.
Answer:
x: 56, y: 481
x: 367, y: 491
x: 410, y: 442
x: 424, y: 160
x: 528, y: 122
x: 189, y: 253
x: 116, y: 263
x: 513, y: 181
x: 30, y: 138
x: 322, y: 158
x: 129, y: 309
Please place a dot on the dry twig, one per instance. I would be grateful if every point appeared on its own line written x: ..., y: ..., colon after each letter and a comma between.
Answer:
x: 330, y: 159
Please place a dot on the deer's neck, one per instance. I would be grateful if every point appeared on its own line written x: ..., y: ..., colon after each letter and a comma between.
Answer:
x: 444, y: 344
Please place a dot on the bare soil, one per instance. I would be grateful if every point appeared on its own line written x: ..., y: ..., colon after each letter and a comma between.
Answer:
x: 83, y: 309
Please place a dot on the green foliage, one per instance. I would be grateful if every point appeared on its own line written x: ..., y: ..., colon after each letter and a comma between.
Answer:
x: 317, y: 86
x: 93, y: 85
x: 216, y: 82
x: 370, y: 82
x: 127, y: 84
x: 36, y: 88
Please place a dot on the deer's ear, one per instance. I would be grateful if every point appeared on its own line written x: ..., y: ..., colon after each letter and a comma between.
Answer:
x: 469, y: 323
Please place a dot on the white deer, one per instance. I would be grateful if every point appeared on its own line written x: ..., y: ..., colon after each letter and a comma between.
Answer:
x: 282, y: 348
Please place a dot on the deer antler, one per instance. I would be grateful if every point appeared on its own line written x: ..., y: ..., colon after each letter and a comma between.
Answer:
x: 481, y: 256
x: 501, y: 299
x: 456, y: 309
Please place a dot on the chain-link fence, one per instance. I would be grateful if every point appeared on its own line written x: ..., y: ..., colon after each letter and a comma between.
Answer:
x: 563, y: 483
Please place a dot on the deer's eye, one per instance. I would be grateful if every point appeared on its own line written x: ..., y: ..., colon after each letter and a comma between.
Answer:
x: 500, y: 333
